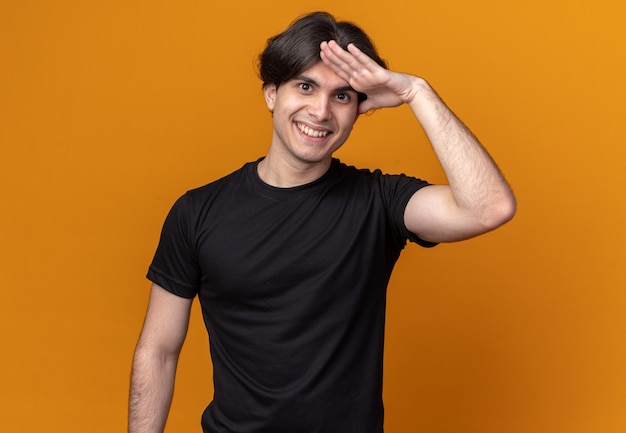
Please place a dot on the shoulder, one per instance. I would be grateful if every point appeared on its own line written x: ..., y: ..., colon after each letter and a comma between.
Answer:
x: 347, y: 172
x: 378, y: 177
x: 196, y: 201
x: 225, y: 187
x: 218, y: 184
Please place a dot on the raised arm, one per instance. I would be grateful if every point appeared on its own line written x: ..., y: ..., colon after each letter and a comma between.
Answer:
x: 477, y: 198
x: 155, y: 361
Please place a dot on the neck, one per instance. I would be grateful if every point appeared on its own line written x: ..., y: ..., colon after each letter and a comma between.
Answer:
x: 288, y: 174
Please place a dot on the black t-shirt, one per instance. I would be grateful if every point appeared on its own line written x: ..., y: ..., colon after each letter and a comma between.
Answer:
x: 292, y: 284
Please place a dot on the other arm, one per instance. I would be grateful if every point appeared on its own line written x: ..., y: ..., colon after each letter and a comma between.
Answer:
x: 155, y: 361
x: 477, y: 199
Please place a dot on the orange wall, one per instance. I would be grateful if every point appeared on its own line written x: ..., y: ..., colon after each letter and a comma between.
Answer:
x: 111, y: 109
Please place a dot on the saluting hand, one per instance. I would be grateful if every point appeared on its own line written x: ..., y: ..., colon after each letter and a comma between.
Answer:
x: 384, y: 88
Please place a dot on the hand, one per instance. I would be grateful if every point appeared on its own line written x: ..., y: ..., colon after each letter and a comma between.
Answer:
x: 384, y: 88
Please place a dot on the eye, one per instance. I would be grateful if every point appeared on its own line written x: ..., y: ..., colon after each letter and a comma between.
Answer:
x: 305, y: 86
x: 344, y: 97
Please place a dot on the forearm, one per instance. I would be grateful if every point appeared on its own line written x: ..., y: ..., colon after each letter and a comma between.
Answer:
x: 476, y: 183
x: 152, y: 386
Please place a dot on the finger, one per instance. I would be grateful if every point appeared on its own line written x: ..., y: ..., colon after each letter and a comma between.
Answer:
x: 339, y: 65
x: 332, y: 55
x: 333, y: 64
x: 347, y: 62
x: 360, y: 56
x: 338, y: 55
x: 366, y: 106
x: 352, y: 55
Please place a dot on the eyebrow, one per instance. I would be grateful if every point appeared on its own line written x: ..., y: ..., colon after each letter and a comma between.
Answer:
x: 315, y: 83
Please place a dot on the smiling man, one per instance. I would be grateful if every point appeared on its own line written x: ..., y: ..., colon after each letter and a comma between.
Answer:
x: 290, y: 256
x: 313, y: 116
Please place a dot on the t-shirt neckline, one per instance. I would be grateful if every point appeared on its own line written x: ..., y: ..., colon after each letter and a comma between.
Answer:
x: 278, y: 193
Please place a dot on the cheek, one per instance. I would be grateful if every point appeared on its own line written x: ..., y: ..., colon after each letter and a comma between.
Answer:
x: 347, y: 118
x: 347, y: 123
x: 281, y: 121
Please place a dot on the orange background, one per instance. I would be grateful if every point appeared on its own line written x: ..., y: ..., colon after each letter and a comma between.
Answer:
x: 109, y: 110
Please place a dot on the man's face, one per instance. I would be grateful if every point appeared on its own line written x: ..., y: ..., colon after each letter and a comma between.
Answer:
x: 313, y: 115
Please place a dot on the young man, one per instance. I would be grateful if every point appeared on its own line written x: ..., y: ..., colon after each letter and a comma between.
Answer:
x: 290, y: 256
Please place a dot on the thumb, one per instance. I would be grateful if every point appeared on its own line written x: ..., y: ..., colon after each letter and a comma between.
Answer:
x: 366, y: 106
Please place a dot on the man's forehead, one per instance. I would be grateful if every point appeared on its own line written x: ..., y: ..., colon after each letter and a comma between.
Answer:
x: 321, y: 75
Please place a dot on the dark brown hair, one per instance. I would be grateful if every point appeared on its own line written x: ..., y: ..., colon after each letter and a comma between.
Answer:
x: 298, y: 47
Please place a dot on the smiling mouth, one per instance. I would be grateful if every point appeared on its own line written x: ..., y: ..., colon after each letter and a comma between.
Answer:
x: 312, y: 132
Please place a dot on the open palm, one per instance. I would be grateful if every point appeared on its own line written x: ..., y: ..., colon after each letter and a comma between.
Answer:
x: 384, y: 88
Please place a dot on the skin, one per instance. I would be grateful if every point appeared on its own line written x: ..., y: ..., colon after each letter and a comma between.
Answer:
x: 313, y: 117
x: 155, y: 360
x: 477, y: 199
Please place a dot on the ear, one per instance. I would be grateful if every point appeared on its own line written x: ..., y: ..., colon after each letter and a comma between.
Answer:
x: 270, y: 96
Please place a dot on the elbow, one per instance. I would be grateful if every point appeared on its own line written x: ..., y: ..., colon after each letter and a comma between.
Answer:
x: 507, y: 210
x: 149, y: 351
x: 500, y: 212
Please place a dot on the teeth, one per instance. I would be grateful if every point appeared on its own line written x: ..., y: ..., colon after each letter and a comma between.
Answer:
x: 312, y: 132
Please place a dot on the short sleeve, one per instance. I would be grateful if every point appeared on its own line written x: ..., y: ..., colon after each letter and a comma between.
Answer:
x: 175, y: 266
x: 398, y: 190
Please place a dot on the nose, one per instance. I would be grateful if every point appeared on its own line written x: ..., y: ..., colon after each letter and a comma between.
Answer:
x: 319, y: 107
